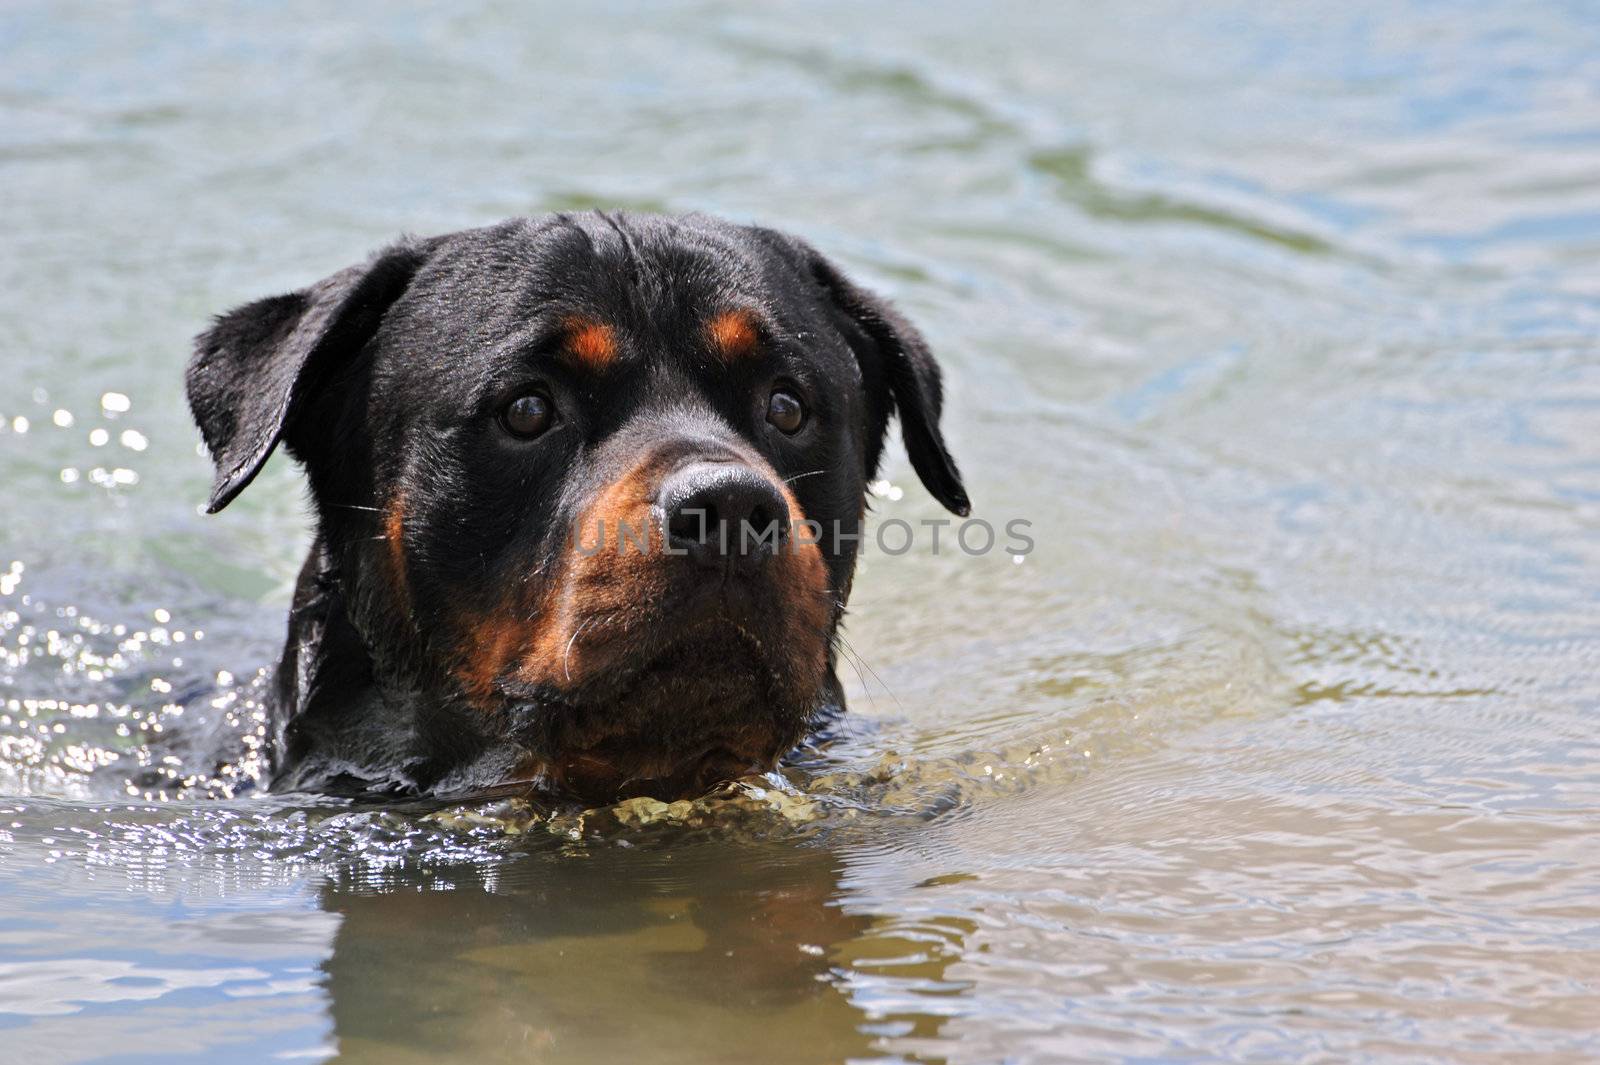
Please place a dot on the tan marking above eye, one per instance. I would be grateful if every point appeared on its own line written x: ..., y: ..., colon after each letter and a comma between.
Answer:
x: 593, y: 344
x: 733, y: 334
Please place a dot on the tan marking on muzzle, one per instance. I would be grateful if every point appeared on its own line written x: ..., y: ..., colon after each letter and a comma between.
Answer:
x: 803, y: 574
x: 535, y: 637
x: 540, y: 638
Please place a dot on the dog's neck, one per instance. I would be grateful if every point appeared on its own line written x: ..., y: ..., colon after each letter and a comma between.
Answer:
x: 344, y: 719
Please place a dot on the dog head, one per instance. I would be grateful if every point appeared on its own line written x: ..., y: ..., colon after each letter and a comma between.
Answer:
x: 595, y: 482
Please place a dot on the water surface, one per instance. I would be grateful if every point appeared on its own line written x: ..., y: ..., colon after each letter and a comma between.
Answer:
x: 1278, y: 321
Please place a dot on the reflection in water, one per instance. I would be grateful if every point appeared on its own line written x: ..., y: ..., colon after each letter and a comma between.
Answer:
x: 726, y: 950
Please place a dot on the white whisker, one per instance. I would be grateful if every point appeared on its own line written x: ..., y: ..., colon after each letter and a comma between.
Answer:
x: 567, y: 654
x: 856, y: 657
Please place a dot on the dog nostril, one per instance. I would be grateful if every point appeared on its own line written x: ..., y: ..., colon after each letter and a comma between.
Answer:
x: 722, y: 511
x: 695, y: 522
x: 759, y: 520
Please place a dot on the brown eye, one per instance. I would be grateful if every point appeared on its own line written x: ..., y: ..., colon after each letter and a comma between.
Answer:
x: 529, y: 415
x: 785, y: 413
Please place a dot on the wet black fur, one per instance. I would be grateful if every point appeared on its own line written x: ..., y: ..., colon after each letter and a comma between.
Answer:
x: 388, y: 377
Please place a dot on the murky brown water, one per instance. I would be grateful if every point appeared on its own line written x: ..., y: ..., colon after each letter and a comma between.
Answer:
x: 1278, y: 321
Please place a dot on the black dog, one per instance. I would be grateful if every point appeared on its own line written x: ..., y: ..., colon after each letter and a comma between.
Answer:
x: 563, y: 470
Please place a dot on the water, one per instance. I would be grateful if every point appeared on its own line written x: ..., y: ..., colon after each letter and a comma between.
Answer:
x: 1278, y: 321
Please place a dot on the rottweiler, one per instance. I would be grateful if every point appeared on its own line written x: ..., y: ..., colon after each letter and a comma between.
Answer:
x: 589, y: 492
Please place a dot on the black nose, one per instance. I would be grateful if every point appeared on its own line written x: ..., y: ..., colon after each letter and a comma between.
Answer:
x: 723, y: 512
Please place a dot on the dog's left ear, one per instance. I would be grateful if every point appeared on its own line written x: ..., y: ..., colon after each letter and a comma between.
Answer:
x: 900, y: 375
x: 254, y: 370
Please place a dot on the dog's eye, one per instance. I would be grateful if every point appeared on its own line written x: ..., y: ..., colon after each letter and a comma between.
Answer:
x: 529, y: 415
x: 785, y: 412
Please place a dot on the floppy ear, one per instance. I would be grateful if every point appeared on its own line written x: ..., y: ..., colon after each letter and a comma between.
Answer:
x: 892, y: 352
x: 253, y: 370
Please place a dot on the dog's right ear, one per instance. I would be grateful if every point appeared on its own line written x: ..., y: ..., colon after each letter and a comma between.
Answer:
x: 254, y: 370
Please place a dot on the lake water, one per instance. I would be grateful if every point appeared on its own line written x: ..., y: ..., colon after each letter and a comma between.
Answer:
x: 1281, y: 323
